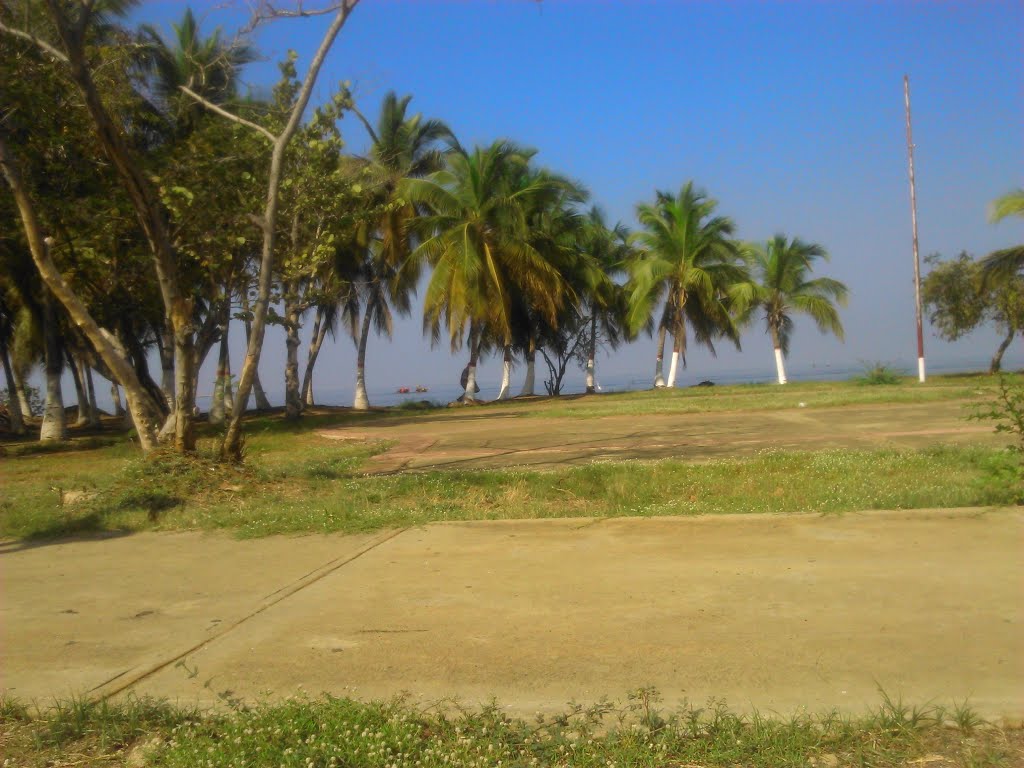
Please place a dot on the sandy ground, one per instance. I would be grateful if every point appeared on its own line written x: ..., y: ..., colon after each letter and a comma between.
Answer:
x: 773, y: 612
x: 497, y: 436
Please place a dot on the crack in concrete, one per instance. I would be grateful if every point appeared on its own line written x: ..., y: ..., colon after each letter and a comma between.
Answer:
x: 282, y: 594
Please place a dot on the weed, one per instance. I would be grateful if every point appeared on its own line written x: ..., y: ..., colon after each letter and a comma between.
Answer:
x: 878, y: 373
x: 330, y: 731
x: 1006, y: 409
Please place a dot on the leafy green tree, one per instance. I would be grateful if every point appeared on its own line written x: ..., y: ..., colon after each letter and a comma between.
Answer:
x: 783, y: 287
x: 960, y: 297
x: 689, y: 261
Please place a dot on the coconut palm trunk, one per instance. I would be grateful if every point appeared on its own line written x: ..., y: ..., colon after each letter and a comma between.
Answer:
x: 659, y: 376
x: 81, y: 401
x: 319, y: 334
x: 21, y: 387
x: 474, y: 350
x: 115, y: 397
x: 361, y: 402
x: 592, y: 352
x: 997, y: 360
x: 530, y: 380
x: 90, y: 391
x: 13, y: 401
x: 55, y: 428
x: 780, y: 364
x: 506, y: 373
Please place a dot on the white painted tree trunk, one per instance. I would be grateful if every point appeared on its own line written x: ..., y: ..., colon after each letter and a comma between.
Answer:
x: 115, y: 396
x: 673, y: 369
x: 530, y: 380
x: 90, y: 389
x: 55, y: 426
x: 780, y: 366
x: 361, y: 402
x: 590, y: 375
x: 506, y: 380
x: 659, y: 376
x: 470, y: 393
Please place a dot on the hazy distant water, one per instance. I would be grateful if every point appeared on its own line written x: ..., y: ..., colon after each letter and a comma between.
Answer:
x: 334, y: 393
x: 340, y: 395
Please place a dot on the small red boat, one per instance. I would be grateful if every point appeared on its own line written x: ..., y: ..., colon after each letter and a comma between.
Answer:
x: 403, y: 390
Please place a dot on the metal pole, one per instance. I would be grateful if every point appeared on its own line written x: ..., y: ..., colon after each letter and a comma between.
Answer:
x: 913, y: 222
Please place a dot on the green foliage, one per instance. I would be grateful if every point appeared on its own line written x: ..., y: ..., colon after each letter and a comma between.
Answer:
x: 784, y: 287
x: 687, y: 258
x: 877, y: 373
x: 1006, y: 409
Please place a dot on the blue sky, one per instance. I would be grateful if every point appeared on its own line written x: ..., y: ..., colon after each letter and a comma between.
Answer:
x: 790, y: 114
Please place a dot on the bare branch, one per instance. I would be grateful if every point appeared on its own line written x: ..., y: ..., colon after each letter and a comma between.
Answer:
x: 230, y: 116
x: 38, y: 42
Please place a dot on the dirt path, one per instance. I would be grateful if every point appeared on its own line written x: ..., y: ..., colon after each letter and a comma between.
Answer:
x: 475, y: 438
x: 772, y: 612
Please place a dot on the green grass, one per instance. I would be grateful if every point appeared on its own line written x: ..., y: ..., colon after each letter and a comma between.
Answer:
x: 307, y: 484
x: 340, y: 732
x: 295, y: 481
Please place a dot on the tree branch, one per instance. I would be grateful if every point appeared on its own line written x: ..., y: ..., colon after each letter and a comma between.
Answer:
x: 230, y: 116
x: 38, y: 42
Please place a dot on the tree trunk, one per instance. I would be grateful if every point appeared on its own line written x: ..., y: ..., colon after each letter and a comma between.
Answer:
x: 529, y: 383
x: 506, y: 373
x: 184, y: 385
x: 22, y: 392
x: 90, y: 391
x: 659, y: 377
x: 115, y: 396
x: 231, y: 447
x: 674, y: 366
x: 361, y: 402
x: 221, y: 379
x: 81, y: 401
x: 54, y: 427
x: 150, y: 214
x: 262, y: 403
x: 592, y: 353
x: 165, y: 345
x: 229, y: 396
x: 780, y: 365
x: 13, y: 401
x: 292, y: 395
x: 997, y: 361
x: 470, y: 394
x: 144, y: 413
x: 319, y: 334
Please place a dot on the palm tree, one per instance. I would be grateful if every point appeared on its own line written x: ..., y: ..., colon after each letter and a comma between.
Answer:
x: 207, y: 66
x: 403, y: 147
x: 689, y: 261
x: 478, y: 241
x: 1006, y: 263
x: 783, y: 288
x: 607, y: 251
